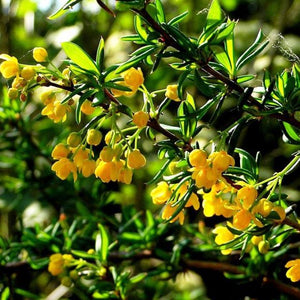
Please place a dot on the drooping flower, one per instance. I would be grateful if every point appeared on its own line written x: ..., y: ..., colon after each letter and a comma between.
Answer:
x: 88, y: 167
x: 93, y: 137
x: 172, y: 92
x: 140, y: 119
x: 161, y: 193
x: 136, y: 159
x: 293, y: 273
x: 224, y: 235
x: 57, y: 263
x: 87, y: 107
x: 169, y: 211
x: 60, y: 151
x: 28, y: 73
x: 63, y: 168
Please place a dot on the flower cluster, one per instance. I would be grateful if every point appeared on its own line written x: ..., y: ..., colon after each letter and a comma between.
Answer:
x: 294, y: 270
x: 57, y: 263
x: 172, y: 196
x: 132, y: 79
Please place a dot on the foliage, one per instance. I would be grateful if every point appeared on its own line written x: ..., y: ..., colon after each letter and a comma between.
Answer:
x: 155, y: 179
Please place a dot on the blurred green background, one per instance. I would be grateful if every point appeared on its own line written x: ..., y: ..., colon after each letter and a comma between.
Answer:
x: 29, y: 190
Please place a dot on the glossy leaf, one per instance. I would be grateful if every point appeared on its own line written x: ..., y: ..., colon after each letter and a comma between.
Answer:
x: 214, y: 15
x: 80, y: 57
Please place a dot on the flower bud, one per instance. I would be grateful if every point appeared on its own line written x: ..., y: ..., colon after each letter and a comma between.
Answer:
x: 94, y: 137
x: 74, y: 139
x: 9, y: 68
x: 140, y: 119
x: 136, y: 159
x: 40, y: 54
x: 13, y: 93
x: 28, y: 73
x: 263, y: 247
x: 172, y: 92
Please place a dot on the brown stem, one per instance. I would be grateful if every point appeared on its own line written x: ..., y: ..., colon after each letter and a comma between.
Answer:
x: 215, y: 266
x: 170, y: 41
x: 291, y: 223
x: 282, y: 287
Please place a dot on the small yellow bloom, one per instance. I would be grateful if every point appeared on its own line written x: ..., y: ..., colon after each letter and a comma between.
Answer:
x: 223, y: 236
x: 88, y: 167
x: 263, y: 247
x: 40, y: 54
x: 56, y: 264
x: 28, y: 73
x: 256, y: 239
x: 87, y: 107
x: 80, y: 156
x: 93, y: 137
x: 169, y: 210
x: 125, y: 175
x: 247, y: 195
x: 136, y: 159
x: 63, y: 168
x: 19, y: 83
x: 48, y: 97
x: 112, y: 136
x: 198, y: 158
x: 193, y: 201
x: 60, y: 151
x: 107, y: 154
x: 161, y: 193
x: 172, y: 92
x: 221, y: 161
x: 280, y: 211
x: 133, y: 77
x: 10, y: 67
x: 293, y: 272
x: 140, y: 119
x: 74, y: 139
x: 242, y: 219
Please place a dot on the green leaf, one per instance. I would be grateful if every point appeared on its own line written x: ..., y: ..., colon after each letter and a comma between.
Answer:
x: 247, y: 162
x: 204, y: 88
x: 100, y: 54
x: 159, y: 174
x: 83, y: 254
x: 222, y: 58
x: 229, y: 46
x: 187, y: 119
x: 80, y: 57
x: 224, y: 30
x: 290, y: 133
x: 68, y: 5
x: 203, y: 110
x: 214, y: 15
x: 26, y: 294
x: 252, y: 51
x: 244, y: 78
x: 178, y: 18
x: 5, y: 295
x: 102, y: 243
x: 136, y: 59
x: 140, y: 29
x: 160, y: 12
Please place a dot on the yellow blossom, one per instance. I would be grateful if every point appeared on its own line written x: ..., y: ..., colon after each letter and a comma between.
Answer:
x: 40, y: 54
x: 136, y: 159
x: 140, y: 119
x: 10, y: 67
x: 74, y: 139
x: 63, y: 168
x: 172, y: 92
x: 223, y: 236
x: 247, y: 195
x: 80, y: 156
x: 125, y: 175
x: 56, y: 264
x: 161, y: 193
x: 263, y: 247
x: 242, y: 219
x: 107, y: 154
x: 88, y: 167
x: 112, y: 136
x: 60, y: 151
x: 87, y: 107
x: 168, y: 212
x: 256, y: 239
x: 293, y: 273
x: 198, y: 158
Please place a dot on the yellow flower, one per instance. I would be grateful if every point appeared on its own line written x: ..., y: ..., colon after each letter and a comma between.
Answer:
x: 63, y: 168
x: 40, y: 54
x: 60, y: 151
x: 74, y: 139
x: 263, y: 207
x: 56, y: 264
x: 247, y: 195
x: 112, y: 136
x: 223, y: 236
x: 263, y: 247
x: 161, y: 193
x: 10, y: 67
x: 93, y: 137
x: 280, y: 211
x: 257, y: 239
x: 28, y: 73
x: 136, y: 159
x: 56, y: 111
x: 169, y: 210
x: 242, y: 219
x: 221, y: 161
x: 193, y: 201
x: 133, y: 78
x: 80, y: 156
x: 125, y: 175
x: 205, y: 177
x: 172, y: 92
x: 293, y: 272
x: 109, y: 171
x: 140, y: 119
x: 88, y: 167
x: 87, y: 107
x: 48, y: 97
x: 107, y: 154
x: 198, y: 158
